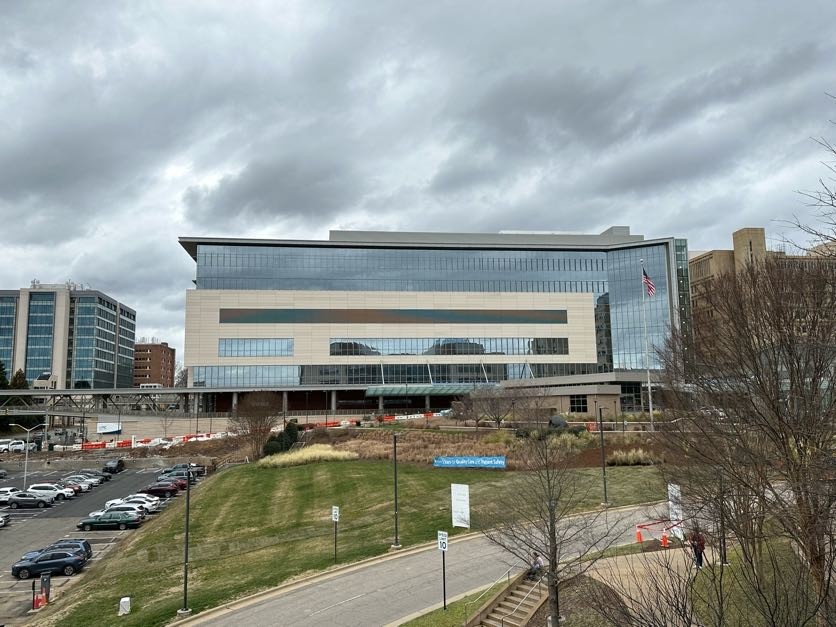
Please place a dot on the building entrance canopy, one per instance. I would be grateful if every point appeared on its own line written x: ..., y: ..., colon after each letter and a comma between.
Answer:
x: 442, y: 389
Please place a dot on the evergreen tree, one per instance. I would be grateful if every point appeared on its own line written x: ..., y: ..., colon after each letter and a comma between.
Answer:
x: 19, y: 381
x: 4, y: 379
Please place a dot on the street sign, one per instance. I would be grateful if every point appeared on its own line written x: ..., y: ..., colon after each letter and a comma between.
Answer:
x: 335, y: 513
x: 442, y: 541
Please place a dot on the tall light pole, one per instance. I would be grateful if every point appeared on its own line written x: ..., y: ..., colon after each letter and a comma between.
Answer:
x: 397, y: 543
x: 606, y: 502
x: 26, y: 458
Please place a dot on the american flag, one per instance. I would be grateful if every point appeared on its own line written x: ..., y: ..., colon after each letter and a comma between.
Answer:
x: 648, y: 283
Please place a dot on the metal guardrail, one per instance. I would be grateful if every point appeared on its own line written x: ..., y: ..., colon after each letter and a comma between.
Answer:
x: 506, y: 574
x: 512, y: 612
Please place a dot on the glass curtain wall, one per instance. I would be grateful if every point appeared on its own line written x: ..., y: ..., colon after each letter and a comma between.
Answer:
x: 39, y: 334
x: 8, y: 314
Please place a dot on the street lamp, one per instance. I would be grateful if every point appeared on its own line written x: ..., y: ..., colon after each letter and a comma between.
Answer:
x: 397, y: 543
x: 606, y: 502
x: 26, y: 459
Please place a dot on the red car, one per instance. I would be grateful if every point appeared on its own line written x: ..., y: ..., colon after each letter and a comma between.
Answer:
x: 160, y: 489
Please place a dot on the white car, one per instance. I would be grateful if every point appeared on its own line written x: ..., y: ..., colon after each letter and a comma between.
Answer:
x: 19, y: 446
x: 150, y: 498
x: 5, y: 493
x: 4, y: 446
x: 50, y: 489
x: 135, y: 499
x: 94, y: 479
x: 121, y: 507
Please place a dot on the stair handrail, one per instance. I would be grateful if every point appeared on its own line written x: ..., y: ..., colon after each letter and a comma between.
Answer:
x: 507, y: 574
x: 504, y: 616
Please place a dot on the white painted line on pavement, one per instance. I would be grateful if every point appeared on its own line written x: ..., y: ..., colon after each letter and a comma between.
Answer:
x: 336, y: 604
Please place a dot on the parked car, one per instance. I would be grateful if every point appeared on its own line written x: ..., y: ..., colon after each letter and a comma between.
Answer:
x: 19, y: 446
x: 3, y: 473
x: 90, y: 478
x: 161, y: 489
x: 131, y: 508
x: 5, y: 519
x: 180, y: 482
x: 58, y: 561
x: 113, y: 466
x: 75, y: 487
x: 196, y: 468
x: 4, y: 446
x: 105, y: 476
x: 178, y: 477
x: 29, y: 499
x: 69, y: 544
x: 5, y: 493
x: 50, y: 489
x: 110, y: 520
x: 152, y: 502
x: 86, y: 483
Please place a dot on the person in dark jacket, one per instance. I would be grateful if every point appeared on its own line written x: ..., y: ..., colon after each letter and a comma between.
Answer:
x: 697, y: 542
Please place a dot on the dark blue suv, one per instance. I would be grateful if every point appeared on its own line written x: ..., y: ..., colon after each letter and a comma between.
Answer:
x: 64, y: 561
x: 72, y: 545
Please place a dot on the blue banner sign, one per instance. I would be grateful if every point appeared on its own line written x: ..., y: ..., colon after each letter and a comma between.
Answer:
x: 497, y: 461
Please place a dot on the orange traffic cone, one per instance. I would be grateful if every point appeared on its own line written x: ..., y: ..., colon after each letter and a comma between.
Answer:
x: 664, y: 539
x: 639, y: 535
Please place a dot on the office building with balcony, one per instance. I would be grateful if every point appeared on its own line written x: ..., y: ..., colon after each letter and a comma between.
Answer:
x: 373, y: 319
x: 67, y: 336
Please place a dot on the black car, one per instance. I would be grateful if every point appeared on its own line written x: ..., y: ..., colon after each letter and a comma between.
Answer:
x: 29, y: 499
x: 110, y: 520
x: 58, y: 561
x: 114, y: 466
x: 65, y: 545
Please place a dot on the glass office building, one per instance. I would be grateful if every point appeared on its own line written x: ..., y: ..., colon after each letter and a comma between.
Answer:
x: 369, y: 308
x: 64, y: 336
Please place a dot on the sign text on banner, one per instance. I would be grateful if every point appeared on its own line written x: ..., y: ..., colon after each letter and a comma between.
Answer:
x: 497, y: 461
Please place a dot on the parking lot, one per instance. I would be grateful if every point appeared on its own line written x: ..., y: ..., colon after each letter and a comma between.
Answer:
x: 32, y: 529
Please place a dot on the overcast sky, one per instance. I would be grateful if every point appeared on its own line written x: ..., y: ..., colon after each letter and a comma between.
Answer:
x: 125, y: 125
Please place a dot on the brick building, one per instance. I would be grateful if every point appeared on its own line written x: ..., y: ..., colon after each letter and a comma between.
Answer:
x: 154, y: 363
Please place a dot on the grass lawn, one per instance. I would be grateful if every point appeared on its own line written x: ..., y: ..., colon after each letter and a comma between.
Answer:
x: 456, y: 612
x: 253, y: 528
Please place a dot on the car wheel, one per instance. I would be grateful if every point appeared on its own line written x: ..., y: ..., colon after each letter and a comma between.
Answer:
x: 68, y: 570
x: 23, y: 573
x: 60, y: 497
x: 14, y: 505
x: 41, y: 504
x: 168, y: 495
x: 122, y: 526
x: 87, y: 527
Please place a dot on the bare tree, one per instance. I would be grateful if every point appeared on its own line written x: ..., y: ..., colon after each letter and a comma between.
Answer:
x: 754, y: 426
x: 181, y: 376
x: 534, y: 513
x: 258, y: 413
x: 494, y: 404
x: 166, y: 420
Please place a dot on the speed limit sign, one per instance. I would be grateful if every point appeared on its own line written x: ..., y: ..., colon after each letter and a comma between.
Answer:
x: 442, y: 541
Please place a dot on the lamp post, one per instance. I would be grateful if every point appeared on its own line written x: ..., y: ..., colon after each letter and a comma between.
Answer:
x: 185, y: 610
x: 26, y: 458
x: 397, y: 543
x: 606, y: 502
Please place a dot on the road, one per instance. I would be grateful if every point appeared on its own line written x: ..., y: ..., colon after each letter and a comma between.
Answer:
x: 387, y: 590
x: 35, y: 528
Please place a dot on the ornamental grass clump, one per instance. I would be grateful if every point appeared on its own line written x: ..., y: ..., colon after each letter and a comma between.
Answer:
x: 632, y: 457
x: 308, y: 455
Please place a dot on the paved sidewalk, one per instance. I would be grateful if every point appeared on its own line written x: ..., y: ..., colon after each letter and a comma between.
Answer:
x: 385, y: 590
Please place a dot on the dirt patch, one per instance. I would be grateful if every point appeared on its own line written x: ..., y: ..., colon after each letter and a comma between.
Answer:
x: 580, y: 598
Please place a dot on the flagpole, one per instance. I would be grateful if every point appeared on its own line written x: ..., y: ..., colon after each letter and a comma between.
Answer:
x: 646, y: 349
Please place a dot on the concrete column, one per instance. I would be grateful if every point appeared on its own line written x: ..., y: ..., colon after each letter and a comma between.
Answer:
x: 235, y: 403
x: 380, y: 403
x: 334, y: 401
x: 284, y: 402
x: 427, y: 402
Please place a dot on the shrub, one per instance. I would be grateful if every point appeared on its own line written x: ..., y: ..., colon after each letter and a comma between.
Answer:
x: 307, y: 455
x: 632, y: 457
x: 498, y: 437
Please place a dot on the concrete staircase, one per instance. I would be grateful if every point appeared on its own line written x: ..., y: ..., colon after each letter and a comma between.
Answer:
x: 514, y: 606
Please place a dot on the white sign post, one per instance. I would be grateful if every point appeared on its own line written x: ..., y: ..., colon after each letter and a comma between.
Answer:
x: 675, y: 509
x: 460, y: 504
x: 442, y: 546
x: 335, y: 516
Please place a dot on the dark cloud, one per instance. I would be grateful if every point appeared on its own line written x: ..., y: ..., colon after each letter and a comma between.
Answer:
x: 125, y: 125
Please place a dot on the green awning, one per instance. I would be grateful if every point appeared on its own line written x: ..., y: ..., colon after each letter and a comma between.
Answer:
x: 441, y: 389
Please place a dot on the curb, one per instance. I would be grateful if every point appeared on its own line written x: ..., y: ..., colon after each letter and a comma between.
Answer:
x: 276, y: 591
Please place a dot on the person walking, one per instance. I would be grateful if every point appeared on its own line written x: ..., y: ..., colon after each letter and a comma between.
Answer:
x: 697, y: 542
